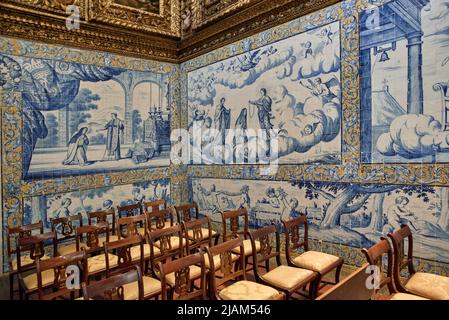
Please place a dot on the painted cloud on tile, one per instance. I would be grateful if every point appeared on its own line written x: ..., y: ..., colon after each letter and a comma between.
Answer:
x: 292, y: 85
x: 87, y: 119
x: 404, y: 72
x: 349, y: 214
x: 83, y: 201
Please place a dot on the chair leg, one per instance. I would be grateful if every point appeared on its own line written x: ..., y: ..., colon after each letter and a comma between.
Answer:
x: 314, y: 288
x: 337, y: 273
x: 11, y: 286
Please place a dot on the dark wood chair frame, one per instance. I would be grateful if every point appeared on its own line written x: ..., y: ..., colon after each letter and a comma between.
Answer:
x: 198, y: 240
x: 102, y: 216
x: 129, y: 226
x: 375, y: 257
x: 400, y: 260
x: 154, y: 205
x: 59, y: 265
x: 184, y: 287
x: 12, y: 234
x: 293, y: 242
x: 35, y: 245
x: 130, y: 210
x: 68, y: 234
x: 184, y: 212
x: 158, y: 218
x: 111, y: 287
x: 265, y: 236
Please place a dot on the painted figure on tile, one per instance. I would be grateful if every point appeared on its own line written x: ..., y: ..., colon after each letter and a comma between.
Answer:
x: 222, y: 120
x: 396, y: 214
x: 115, y: 129
x: 64, y: 211
x: 265, y: 115
x: 76, y: 153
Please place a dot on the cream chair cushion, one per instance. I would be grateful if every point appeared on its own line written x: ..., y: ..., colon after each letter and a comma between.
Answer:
x: 204, y: 232
x: 26, y: 260
x: 98, y: 263
x: 314, y: 260
x: 248, y: 290
x: 247, y: 248
x: 135, y: 252
x: 429, y: 286
x: 69, y: 248
x: 141, y: 231
x: 30, y: 281
x: 166, y: 226
x: 174, y: 242
x: 150, y: 287
x: 112, y: 238
x: 405, y: 296
x: 195, y: 273
x: 217, y: 260
x: 286, y: 277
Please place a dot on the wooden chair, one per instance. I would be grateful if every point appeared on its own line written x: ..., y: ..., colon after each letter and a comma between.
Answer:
x: 179, y: 276
x: 65, y: 231
x: 427, y: 285
x: 56, y: 268
x: 130, y: 210
x: 104, y: 216
x: 320, y: 262
x: 12, y: 235
x: 165, y: 245
x: 34, y: 246
x: 351, y: 288
x: 198, y: 234
x: 157, y: 205
x: 113, y: 288
x: 375, y: 257
x: 160, y: 219
x: 235, y: 272
x: 96, y: 261
x: 232, y: 218
x: 132, y: 225
x: 130, y: 252
x: 187, y: 212
x: 284, y: 278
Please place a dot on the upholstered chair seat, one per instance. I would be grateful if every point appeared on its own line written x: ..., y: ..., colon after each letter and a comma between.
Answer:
x: 195, y: 273
x: 248, y: 249
x: 135, y: 252
x: 204, y: 233
x: 174, y: 241
x: 69, y: 248
x: 98, y: 263
x: 30, y: 281
x: 217, y: 261
x: 316, y: 261
x: 112, y: 238
x: 406, y: 296
x: 151, y: 286
x: 429, y: 286
x: 286, y: 278
x: 25, y: 260
x: 248, y: 290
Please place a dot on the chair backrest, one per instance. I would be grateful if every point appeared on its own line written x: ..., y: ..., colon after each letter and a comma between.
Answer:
x: 293, y: 239
x: 129, y: 226
x: 112, y: 288
x: 60, y: 265
x: 130, y: 210
x: 228, y: 270
x: 151, y: 206
x: 92, y: 237
x: 158, y: 218
x: 187, y: 212
x: 34, y: 247
x: 268, y: 238
x: 122, y: 249
x: 183, y: 282
x: 199, y: 233
x: 233, y: 219
x: 401, y: 260
x: 103, y: 216
x: 166, y: 244
x: 14, y: 233
x: 64, y: 227
x: 375, y: 257
x: 351, y: 288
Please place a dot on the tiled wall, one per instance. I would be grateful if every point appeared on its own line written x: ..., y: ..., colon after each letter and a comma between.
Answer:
x: 358, y: 92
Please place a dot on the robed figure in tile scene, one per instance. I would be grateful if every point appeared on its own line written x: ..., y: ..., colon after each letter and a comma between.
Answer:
x: 265, y: 115
x: 76, y: 153
x: 222, y: 120
x: 115, y: 129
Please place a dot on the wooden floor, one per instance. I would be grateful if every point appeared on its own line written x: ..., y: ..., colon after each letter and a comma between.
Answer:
x: 346, y: 270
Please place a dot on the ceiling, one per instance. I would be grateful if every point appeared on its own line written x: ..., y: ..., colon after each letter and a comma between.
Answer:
x: 165, y: 30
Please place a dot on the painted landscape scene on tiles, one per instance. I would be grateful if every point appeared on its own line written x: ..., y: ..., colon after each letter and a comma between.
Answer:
x: 83, y: 201
x: 87, y: 119
x: 343, y: 213
x: 291, y: 86
x: 404, y: 82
